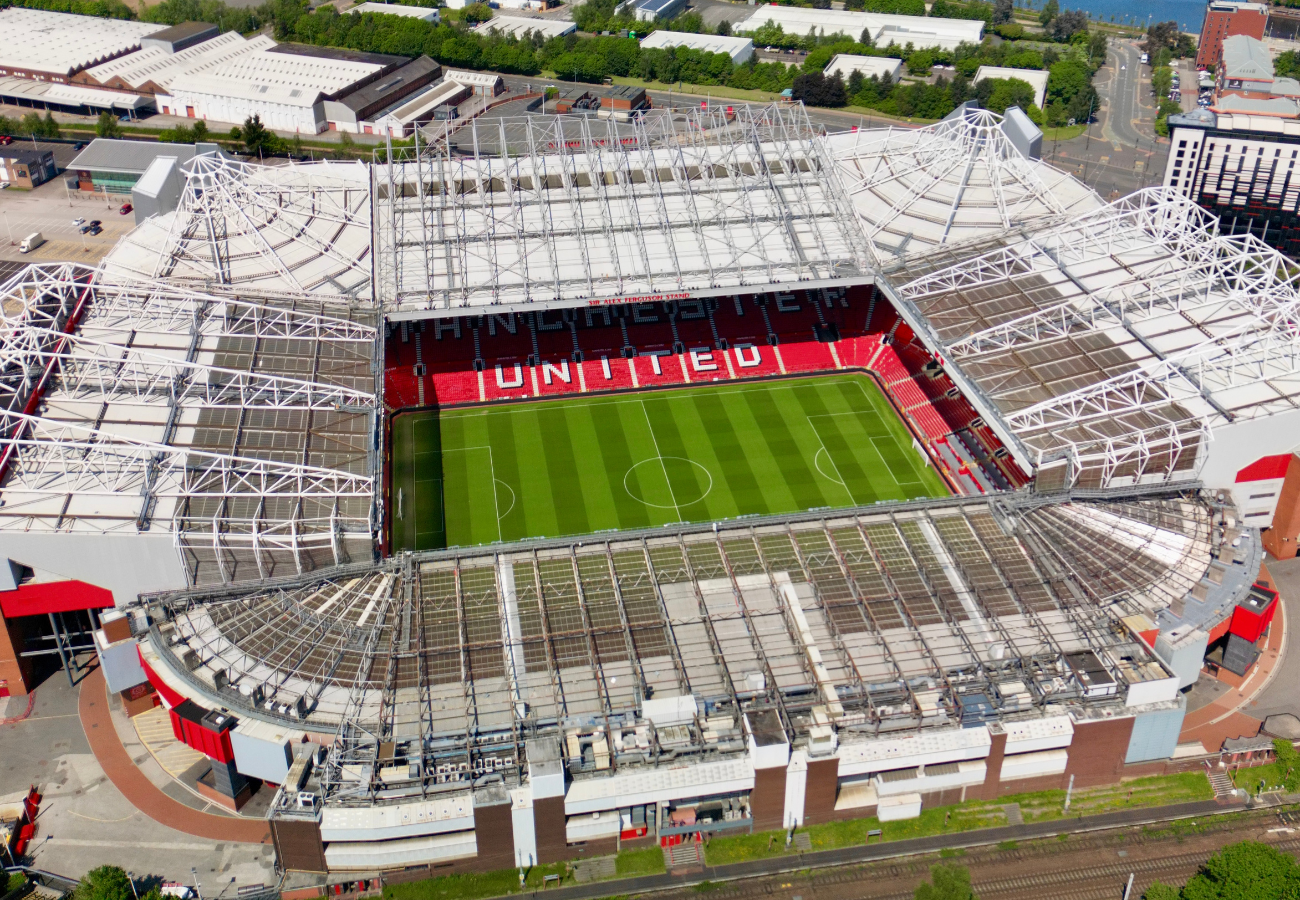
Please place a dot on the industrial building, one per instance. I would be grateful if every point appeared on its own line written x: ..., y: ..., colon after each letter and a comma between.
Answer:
x: 519, y: 26
x: 423, y: 13
x: 740, y: 49
x: 885, y: 68
x: 885, y: 29
x: 53, y: 47
x: 27, y: 168
x: 199, y: 438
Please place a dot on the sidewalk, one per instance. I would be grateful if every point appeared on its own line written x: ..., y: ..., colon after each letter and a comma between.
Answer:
x: 1214, y: 723
x: 92, y: 706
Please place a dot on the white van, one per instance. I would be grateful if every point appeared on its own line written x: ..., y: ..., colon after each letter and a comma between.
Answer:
x: 31, y: 242
x: 1145, y: 59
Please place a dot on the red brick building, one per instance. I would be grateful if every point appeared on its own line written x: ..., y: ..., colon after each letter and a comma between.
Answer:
x: 1225, y: 18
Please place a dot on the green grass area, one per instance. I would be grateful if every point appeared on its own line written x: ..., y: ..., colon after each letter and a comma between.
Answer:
x: 1271, y: 776
x: 1039, y: 806
x: 635, y: 863
x: 472, y: 886
x: 1064, y: 133
x: 583, y: 464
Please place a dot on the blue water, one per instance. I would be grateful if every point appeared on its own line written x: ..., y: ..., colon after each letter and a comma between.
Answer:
x: 1189, y: 14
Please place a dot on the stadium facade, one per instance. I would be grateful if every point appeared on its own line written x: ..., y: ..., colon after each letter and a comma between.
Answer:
x: 196, y: 435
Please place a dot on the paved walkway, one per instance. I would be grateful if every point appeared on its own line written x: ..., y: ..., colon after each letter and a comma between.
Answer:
x: 136, y: 787
x: 1226, y: 717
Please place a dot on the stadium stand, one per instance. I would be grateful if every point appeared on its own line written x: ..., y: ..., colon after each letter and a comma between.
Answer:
x: 513, y: 356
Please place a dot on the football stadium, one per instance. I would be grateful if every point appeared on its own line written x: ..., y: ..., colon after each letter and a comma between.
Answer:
x: 566, y: 486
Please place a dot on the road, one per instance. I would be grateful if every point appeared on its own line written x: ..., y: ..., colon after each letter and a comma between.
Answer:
x: 1121, y: 92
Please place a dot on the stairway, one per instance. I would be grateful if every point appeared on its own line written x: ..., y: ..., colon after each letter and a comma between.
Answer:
x: 718, y: 342
x: 685, y: 855
x: 1014, y: 816
x: 1221, y: 783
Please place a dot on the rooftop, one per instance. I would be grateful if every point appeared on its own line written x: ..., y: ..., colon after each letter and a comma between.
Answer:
x: 899, y: 654
x: 63, y: 43
x: 120, y: 155
x: 848, y: 63
x: 392, y: 84
x: 518, y: 26
x: 920, y: 31
x: 158, y: 67
x: 1035, y: 78
x: 1246, y: 58
x: 709, y: 43
x: 1112, y: 341
x: 395, y: 9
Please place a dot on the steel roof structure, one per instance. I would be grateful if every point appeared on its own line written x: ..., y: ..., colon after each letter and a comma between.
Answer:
x: 1112, y: 344
x: 244, y: 429
x: 877, y: 620
x: 291, y: 230
x: 949, y: 183
x: 573, y: 210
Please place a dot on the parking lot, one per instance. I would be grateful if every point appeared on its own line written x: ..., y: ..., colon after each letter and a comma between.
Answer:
x: 51, y: 209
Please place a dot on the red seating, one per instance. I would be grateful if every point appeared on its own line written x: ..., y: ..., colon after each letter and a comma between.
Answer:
x: 807, y: 356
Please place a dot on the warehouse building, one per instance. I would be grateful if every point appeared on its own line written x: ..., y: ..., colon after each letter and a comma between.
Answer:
x: 296, y: 88
x: 886, y: 68
x: 180, y: 37
x: 740, y: 49
x: 70, y: 98
x: 519, y: 26
x: 423, y: 13
x: 151, y: 69
x: 921, y: 32
x: 53, y: 47
x: 1035, y: 78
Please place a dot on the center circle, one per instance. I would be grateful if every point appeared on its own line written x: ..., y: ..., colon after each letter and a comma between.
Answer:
x: 667, y: 482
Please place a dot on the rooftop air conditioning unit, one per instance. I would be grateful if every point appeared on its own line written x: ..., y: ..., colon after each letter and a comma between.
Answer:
x: 306, y: 800
x: 190, y: 659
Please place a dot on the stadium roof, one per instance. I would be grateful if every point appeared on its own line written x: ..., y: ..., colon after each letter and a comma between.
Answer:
x: 876, y: 621
x: 949, y: 183
x: 40, y: 41
x: 290, y: 230
x: 1112, y: 343
x: 243, y: 429
x: 574, y: 210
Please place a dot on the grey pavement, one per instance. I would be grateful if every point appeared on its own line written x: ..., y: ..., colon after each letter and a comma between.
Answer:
x: 1280, y: 694
x: 1121, y: 91
x: 85, y: 821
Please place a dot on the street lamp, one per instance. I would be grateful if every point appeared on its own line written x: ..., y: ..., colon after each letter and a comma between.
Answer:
x: 130, y: 876
x: 198, y: 888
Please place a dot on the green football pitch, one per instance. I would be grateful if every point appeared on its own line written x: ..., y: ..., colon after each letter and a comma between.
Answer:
x: 576, y: 465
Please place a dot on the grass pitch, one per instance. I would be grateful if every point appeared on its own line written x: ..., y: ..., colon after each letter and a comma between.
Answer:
x: 576, y: 465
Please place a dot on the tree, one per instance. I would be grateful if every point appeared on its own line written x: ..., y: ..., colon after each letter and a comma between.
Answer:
x: 1003, y: 11
x: 1097, y: 48
x: 1066, y: 25
x: 724, y: 28
x: 104, y: 883
x: 1245, y: 871
x: 1160, y: 36
x: 258, y: 141
x: 815, y: 89
x: 1159, y: 891
x: 946, y: 883
x: 1049, y: 12
x: 107, y: 126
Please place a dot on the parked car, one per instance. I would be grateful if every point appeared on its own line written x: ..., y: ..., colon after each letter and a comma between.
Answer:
x: 5, y: 140
x: 95, y: 222
x: 78, y: 222
x: 84, y: 229
x: 95, y: 230
x: 126, y: 208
